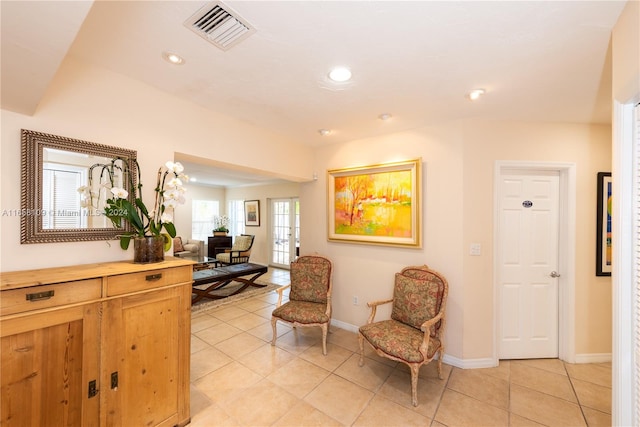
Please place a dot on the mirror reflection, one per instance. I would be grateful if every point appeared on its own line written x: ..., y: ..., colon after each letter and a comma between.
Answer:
x: 65, y: 176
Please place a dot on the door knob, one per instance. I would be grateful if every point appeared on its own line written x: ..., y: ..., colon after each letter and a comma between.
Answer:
x: 554, y: 274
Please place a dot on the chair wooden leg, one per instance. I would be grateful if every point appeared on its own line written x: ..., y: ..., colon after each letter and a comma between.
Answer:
x: 440, y: 356
x: 415, y: 369
x: 325, y: 329
x: 275, y: 333
x: 361, y: 342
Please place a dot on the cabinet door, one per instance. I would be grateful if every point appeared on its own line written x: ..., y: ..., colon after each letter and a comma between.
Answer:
x: 214, y: 242
x: 48, y: 360
x: 146, y: 341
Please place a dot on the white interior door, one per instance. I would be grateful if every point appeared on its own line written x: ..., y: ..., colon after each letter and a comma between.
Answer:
x: 285, y: 231
x: 528, y: 276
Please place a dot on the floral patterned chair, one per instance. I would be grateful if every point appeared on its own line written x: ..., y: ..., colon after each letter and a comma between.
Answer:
x: 309, y: 297
x: 414, y: 334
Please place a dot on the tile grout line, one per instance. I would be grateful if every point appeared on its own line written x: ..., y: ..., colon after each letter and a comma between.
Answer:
x: 444, y: 389
x: 575, y: 393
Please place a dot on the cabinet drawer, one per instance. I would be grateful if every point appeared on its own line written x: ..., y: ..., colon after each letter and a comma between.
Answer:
x: 132, y: 282
x: 45, y: 296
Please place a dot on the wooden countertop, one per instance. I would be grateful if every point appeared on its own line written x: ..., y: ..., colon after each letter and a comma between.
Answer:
x: 46, y: 276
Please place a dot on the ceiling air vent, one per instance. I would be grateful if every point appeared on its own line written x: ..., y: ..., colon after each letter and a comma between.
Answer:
x: 220, y: 25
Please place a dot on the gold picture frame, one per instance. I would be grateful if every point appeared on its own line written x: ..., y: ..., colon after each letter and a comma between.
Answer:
x: 377, y: 204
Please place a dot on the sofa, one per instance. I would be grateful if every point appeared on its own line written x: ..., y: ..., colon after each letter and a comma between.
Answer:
x: 188, y: 247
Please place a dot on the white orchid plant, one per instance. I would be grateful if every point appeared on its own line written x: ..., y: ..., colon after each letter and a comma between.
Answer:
x: 220, y: 222
x: 119, y: 207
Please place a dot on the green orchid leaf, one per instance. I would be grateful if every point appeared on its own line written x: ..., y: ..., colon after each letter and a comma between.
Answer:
x: 124, y: 242
x: 142, y: 207
x: 155, y: 230
x: 132, y: 215
x: 171, y: 229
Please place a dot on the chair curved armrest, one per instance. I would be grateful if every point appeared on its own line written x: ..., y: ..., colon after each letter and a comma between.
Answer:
x: 429, y: 323
x: 328, y: 308
x: 426, y: 329
x: 374, y: 306
x: 279, y: 291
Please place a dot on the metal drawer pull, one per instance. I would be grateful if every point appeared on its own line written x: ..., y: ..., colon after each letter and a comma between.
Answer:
x: 40, y: 295
x: 152, y: 277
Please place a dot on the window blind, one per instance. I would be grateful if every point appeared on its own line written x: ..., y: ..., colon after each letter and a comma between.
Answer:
x: 60, y: 199
x: 202, y: 214
x: 235, y: 208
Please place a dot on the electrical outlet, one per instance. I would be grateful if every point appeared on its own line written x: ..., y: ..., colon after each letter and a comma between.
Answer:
x: 355, y: 300
x: 475, y: 249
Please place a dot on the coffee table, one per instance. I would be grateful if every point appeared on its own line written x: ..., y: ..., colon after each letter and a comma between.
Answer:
x: 201, y: 262
x: 220, y: 277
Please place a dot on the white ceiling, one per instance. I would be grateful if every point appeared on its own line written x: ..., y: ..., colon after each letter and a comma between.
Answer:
x: 539, y: 60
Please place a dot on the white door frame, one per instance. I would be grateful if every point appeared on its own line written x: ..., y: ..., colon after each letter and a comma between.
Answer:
x: 566, y: 251
x: 293, y: 232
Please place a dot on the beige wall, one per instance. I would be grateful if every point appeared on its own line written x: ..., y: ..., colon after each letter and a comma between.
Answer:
x: 458, y: 161
x: 626, y: 54
x: 97, y: 105
x: 589, y: 147
x: 183, y: 215
x: 262, y: 193
x: 458, y: 173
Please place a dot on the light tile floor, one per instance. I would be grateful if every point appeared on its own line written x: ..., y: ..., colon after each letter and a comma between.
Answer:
x: 239, y: 379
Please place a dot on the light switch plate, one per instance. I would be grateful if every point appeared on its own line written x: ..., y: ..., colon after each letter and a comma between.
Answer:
x: 475, y: 249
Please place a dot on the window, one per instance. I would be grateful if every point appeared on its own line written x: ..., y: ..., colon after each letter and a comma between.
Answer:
x: 60, y: 197
x: 203, y: 212
x: 235, y: 209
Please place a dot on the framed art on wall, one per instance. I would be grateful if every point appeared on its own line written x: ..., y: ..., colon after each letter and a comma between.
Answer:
x: 378, y: 204
x: 603, y: 239
x: 252, y: 213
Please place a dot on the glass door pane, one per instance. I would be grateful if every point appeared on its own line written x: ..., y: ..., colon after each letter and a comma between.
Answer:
x: 285, y: 231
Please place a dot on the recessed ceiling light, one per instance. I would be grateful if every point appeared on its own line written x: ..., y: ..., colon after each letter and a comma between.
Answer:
x: 324, y: 132
x: 475, y: 94
x: 193, y: 179
x: 340, y: 74
x: 385, y: 116
x: 173, y: 58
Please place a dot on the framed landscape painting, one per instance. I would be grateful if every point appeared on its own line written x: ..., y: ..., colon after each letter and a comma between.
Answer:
x: 603, y: 240
x: 378, y: 204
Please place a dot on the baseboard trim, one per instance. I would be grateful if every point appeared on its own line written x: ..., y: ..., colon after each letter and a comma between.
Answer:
x: 593, y: 358
x: 485, y: 362
x: 347, y: 326
x: 448, y: 359
x: 468, y: 363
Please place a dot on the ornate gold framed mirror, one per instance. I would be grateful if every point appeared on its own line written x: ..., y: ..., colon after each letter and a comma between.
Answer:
x: 53, y: 169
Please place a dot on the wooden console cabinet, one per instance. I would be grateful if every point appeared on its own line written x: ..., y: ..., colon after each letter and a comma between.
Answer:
x: 214, y: 242
x: 96, y: 345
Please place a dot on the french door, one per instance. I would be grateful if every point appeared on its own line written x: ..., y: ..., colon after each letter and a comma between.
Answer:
x: 285, y: 231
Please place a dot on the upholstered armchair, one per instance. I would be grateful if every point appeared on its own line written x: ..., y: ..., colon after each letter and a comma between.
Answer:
x: 240, y: 250
x: 309, y: 297
x: 415, y: 331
